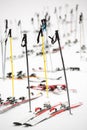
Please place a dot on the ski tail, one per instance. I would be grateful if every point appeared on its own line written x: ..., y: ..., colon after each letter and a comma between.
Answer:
x: 26, y: 124
x: 17, y: 123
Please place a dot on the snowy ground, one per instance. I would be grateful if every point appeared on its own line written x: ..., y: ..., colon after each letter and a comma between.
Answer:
x: 76, y: 80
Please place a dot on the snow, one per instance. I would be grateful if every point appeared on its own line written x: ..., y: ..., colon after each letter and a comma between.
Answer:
x: 25, y: 10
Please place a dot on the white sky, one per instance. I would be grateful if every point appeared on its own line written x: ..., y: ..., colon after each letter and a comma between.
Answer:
x: 25, y: 8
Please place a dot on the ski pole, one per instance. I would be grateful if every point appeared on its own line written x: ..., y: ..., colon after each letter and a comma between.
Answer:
x: 11, y: 60
x: 27, y: 63
x: 47, y: 22
x: 71, y: 28
x: 44, y: 58
x: 66, y: 16
x: 57, y: 36
x: 76, y: 24
x: 81, y: 30
x: 20, y: 30
x: 53, y: 41
x: 6, y: 38
x: 43, y: 51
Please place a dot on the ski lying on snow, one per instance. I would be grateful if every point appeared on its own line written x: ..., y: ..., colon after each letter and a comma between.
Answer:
x: 52, y: 112
x: 20, y: 76
x: 12, y: 100
x: 16, y: 102
x: 55, y: 88
x: 38, y: 111
x: 40, y: 69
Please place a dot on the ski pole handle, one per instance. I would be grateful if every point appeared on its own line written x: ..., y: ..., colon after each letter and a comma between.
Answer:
x: 76, y: 7
x: 57, y: 35
x: 24, y: 39
x: 81, y: 18
x: 6, y: 25
x: 10, y: 33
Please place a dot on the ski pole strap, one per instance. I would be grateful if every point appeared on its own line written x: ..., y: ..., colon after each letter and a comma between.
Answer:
x: 55, y: 37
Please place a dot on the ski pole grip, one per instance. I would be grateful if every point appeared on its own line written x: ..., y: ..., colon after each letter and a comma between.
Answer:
x: 10, y: 33
x: 38, y: 37
x: 24, y: 39
x: 76, y: 7
x: 81, y: 18
x: 6, y: 26
x: 57, y: 35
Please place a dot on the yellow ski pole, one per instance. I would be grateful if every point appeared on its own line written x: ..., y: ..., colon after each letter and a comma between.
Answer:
x: 45, y: 68
x: 11, y: 60
x: 43, y: 51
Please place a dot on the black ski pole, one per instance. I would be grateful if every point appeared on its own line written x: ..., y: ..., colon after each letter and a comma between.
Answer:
x: 57, y: 37
x: 53, y: 41
x: 25, y: 45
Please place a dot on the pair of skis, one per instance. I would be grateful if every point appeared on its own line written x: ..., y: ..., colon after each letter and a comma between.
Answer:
x: 40, y: 69
x: 55, y: 88
x: 55, y: 50
x: 21, y: 75
x: 46, y: 113
x: 12, y: 102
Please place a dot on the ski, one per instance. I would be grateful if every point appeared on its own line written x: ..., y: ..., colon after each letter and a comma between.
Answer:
x: 38, y: 111
x: 52, y: 112
x: 55, y: 88
x: 13, y: 102
x: 60, y: 90
x: 6, y: 102
x: 20, y: 75
x: 23, y: 76
x: 54, y: 50
x: 40, y: 69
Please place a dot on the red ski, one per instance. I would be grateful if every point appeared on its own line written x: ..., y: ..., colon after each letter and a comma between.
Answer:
x: 55, y: 88
x: 16, y: 102
x: 52, y: 112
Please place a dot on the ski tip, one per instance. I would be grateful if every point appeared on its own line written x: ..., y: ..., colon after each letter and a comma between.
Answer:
x: 17, y: 123
x: 26, y: 124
